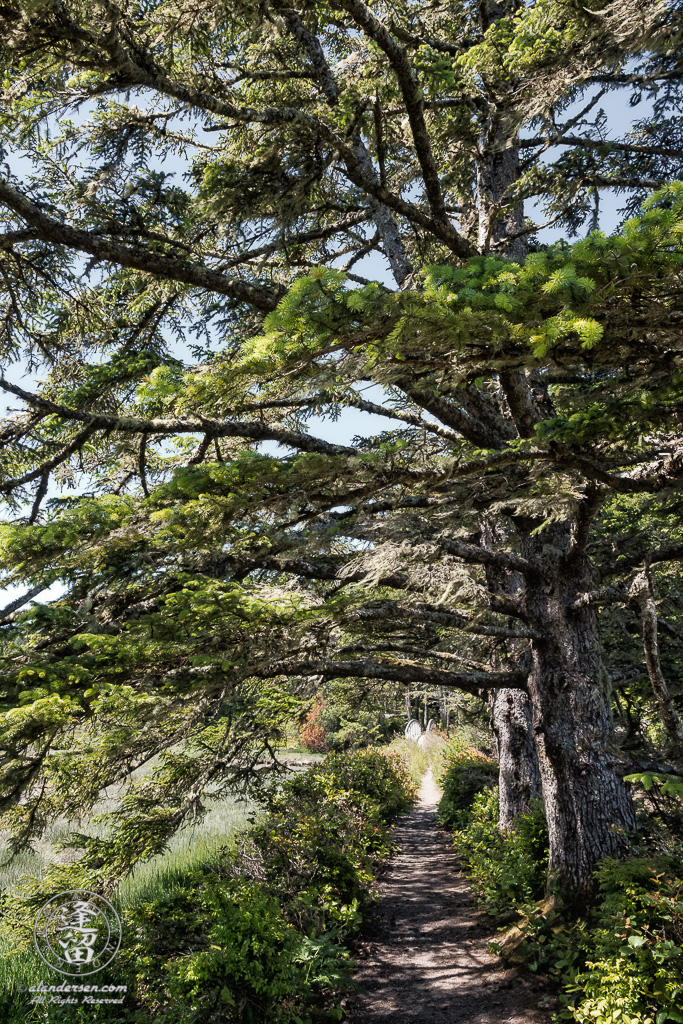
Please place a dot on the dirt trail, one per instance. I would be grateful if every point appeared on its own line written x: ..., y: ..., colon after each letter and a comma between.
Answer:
x: 428, y: 959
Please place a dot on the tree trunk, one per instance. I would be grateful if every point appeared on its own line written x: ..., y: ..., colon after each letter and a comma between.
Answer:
x: 442, y: 710
x: 588, y: 806
x: 519, y: 780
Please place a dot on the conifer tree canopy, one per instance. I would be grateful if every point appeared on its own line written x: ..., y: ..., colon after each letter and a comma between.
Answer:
x: 188, y: 191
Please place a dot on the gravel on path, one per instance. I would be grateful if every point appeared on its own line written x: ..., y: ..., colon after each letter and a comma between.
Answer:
x: 428, y: 957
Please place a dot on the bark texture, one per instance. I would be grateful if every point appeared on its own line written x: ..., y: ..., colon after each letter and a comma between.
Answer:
x: 519, y: 780
x: 589, y: 809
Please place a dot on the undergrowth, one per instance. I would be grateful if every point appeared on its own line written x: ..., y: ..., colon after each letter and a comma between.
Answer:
x: 619, y: 961
x: 259, y: 933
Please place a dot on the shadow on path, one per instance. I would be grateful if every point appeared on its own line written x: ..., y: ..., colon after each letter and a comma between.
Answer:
x: 429, y: 961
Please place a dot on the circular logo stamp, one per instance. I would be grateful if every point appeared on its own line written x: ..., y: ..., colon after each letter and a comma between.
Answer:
x: 77, y: 932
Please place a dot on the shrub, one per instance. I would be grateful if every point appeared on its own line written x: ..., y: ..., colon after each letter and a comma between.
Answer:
x: 633, y: 964
x: 380, y: 775
x: 508, y: 869
x: 465, y: 772
x: 312, y: 732
x: 219, y: 950
x: 326, y: 832
x: 256, y: 935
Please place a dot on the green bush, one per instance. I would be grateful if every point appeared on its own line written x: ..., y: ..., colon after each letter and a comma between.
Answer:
x: 633, y: 964
x: 621, y: 962
x: 267, y: 947
x: 257, y: 934
x: 219, y: 950
x: 326, y: 831
x: 465, y: 772
x: 508, y: 870
x: 363, y: 730
x: 380, y: 775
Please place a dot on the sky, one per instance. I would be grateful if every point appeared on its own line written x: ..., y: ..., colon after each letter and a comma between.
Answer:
x: 353, y: 422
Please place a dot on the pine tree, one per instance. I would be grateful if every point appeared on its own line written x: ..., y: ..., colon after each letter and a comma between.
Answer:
x: 532, y: 386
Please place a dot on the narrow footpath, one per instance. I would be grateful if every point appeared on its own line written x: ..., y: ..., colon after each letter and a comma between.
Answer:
x: 428, y: 958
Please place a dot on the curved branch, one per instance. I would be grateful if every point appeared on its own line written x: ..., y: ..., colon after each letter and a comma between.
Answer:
x: 249, y: 430
x: 628, y: 147
x: 49, y: 229
x: 412, y: 95
x: 19, y: 602
x: 47, y: 467
x: 397, y: 672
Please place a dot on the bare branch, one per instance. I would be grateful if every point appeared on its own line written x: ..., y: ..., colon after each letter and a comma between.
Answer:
x: 398, y: 672
x: 606, y: 144
x: 46, y: 467
x: 413, y: 99
x: 18, y: 602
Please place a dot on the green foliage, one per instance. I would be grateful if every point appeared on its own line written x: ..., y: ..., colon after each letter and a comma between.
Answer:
x: 256, y: 934
x: 619, y: 963
x: 508, y: 869
x: 348, y: 728
x: 220, y: 949
x: 465, y: 772
x: 325, y: 833
x: 669, y: 785
x: 205, y: 579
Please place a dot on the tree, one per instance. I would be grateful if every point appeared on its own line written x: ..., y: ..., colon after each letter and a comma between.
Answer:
x: 531, y: 386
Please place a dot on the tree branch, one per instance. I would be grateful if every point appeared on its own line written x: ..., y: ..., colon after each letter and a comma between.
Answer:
x: 398, y: 672
x: 630, y: 147
x: 49, y: 229
x: 672, y: 552
x: 642, y: 592
x: 18, y: 602
x: 424, y: 613
x: 484, y: 556
x: 250, y: 430
x: 46, y: 467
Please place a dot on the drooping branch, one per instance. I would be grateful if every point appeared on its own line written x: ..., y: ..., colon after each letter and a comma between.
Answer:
x: 395, y: 672
x: 250, y: 430
x: 642, y: 593
x: 390, y: 610
x: 46, y: 467
x: 475, y: 553
x: 602, y: 144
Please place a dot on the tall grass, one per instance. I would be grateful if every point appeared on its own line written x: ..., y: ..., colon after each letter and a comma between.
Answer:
x: 193, y: 845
